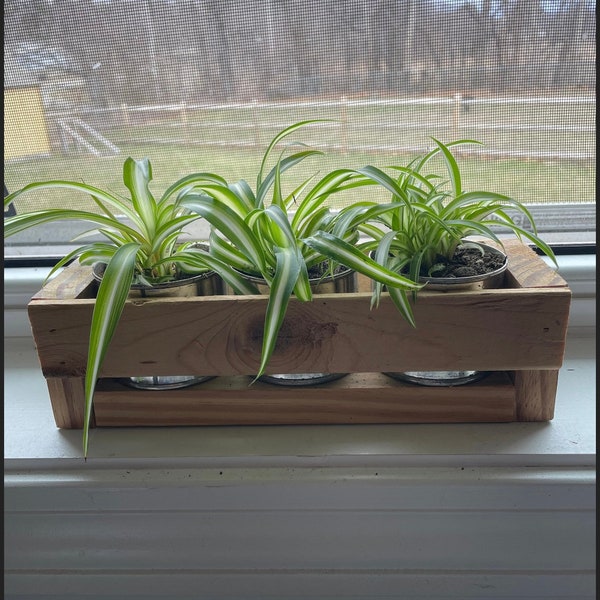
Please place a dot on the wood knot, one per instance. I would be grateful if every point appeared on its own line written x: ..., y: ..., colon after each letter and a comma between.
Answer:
x: 297, y: 333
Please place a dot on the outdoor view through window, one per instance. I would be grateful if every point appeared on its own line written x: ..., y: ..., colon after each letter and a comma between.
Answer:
x: 204, y: 85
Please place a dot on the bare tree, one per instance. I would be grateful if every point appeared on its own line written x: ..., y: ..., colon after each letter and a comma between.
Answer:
x: 152, y: 51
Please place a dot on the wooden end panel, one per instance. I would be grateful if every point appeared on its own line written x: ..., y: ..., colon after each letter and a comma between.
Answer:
x: 535, y: 394
x: 75, y: 281
x: 526, y: 269
x: 61, y: 330
x: 67, y: 397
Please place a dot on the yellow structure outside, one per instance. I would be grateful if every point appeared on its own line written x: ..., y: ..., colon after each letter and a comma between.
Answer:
x: 25, y: 127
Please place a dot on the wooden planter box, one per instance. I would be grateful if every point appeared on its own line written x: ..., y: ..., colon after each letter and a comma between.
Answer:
x: 517, y: 331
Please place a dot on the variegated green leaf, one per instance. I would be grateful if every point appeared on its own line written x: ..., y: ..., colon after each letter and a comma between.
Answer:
x: 350, y: 256
x: 137, y: 175
x: 110, y: 300
x: 280, y: 229
x: 282, y: 166
x: 452, y: 167
x: 229, y: 223
x: 187, y: 184
x: 24, y: 221
x: 244, y: 193
x: 329, y: 184
x: 78, y: 187
x: 400, y: 299
x: 229, y: 254
x: 284, y: 281
x: 280, y: 136
x: 197, y: 259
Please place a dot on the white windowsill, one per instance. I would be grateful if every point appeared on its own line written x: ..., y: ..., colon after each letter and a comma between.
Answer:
x: 31, y: 437
x: 486, y: 511
x: 33, y: 441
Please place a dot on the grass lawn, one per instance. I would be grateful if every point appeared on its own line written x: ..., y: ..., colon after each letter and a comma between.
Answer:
x: 527, y: 181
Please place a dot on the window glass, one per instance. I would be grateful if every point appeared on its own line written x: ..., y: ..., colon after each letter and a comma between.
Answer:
x: 203, y: 85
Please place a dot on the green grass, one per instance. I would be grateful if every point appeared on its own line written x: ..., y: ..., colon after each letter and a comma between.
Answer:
x: 526, y: 181
x: 190, y: 142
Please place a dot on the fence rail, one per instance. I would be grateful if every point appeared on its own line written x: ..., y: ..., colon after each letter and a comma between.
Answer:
x: 511, y: 127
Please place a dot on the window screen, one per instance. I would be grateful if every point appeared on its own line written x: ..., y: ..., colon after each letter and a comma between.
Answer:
x: 203, y: 85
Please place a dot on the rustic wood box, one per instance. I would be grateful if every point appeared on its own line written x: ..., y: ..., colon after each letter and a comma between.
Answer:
x: 518, y: 331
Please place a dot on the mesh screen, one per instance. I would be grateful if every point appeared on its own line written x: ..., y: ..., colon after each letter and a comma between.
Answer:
x: 203, y: 85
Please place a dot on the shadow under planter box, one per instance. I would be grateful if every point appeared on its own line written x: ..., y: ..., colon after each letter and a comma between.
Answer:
x: 517, y: 331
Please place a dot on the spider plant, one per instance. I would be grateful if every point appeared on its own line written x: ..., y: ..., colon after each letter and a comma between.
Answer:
x: 431, y: 214
x: 144, y: 248
x: 277, y: 237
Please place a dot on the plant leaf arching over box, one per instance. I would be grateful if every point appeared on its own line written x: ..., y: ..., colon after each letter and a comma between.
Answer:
x: 518, y: 331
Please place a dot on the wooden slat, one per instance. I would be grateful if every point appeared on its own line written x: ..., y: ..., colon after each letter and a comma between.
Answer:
x: 528, y: 270
x: 488, y: 330
x: 75, y: 281
x: 68, y: 400
x: 356, y: 398
x: 536, y: 394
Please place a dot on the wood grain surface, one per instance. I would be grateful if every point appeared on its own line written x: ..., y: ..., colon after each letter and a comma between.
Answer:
x: 519, y: 328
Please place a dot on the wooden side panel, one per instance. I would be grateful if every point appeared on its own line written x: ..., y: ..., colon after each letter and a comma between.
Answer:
x: 68, y: 400
x: 75, y: 281
x: 491, y: 330
x: 356, y: 398
x: 528, y: 270
x: 536, y: 394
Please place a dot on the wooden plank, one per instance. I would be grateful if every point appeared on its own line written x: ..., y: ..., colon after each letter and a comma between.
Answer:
x: 528, y: 270
x: 356, y: 398
x: 68, y: 401
x: 487, y: 330
x: 536, y: 394
x: 75, y: 281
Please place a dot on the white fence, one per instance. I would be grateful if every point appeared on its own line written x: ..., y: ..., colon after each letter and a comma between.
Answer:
x: 537, y: 128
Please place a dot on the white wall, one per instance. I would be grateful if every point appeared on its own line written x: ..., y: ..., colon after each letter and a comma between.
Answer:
x: 301, y: 533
